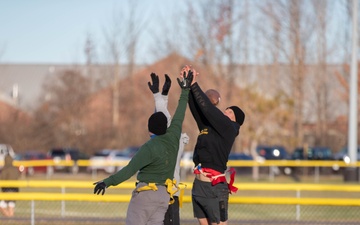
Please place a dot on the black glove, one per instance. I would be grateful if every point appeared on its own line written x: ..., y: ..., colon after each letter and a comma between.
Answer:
x: 186, y: 82
x: 154, y: 87
x: 100, y: 187
x: 166, y: 86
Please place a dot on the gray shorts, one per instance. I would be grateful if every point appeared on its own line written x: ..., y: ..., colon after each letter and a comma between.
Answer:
x: 148, y: 207
x: 210, y: 201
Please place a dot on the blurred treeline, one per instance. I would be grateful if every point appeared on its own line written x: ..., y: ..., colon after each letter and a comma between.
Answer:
x: 285, y: 62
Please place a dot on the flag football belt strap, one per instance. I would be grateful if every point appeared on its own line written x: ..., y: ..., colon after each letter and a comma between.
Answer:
x: 171, y: 188
x: 150, y: 186
x: 169, y: 184
x: 217, y: 177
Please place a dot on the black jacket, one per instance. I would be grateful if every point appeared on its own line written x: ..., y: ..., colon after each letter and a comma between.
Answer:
x: 217, y: 132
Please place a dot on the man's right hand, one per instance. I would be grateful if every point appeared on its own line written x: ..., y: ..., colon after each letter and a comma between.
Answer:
x: 186, y: 82
x: 100, y: 187
x: 166, y: 86
x: 154, y: 87
x: 186, y: 69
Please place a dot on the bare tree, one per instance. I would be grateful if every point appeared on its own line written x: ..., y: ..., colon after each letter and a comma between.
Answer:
x: 218, y: 40
x: 289, y: 42
x: 15, y: 127
x: 343, y: 76
x: 90, y: 55
x: 293, y: 26
x: 64, y: 106
x: 322, y: 96
x: 121, y: 43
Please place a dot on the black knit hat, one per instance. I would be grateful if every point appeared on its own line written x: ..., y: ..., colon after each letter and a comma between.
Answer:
x: 239, y: 114
x: 157, y: 123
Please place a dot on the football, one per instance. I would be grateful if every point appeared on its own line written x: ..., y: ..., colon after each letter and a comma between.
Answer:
x: 213, y: 95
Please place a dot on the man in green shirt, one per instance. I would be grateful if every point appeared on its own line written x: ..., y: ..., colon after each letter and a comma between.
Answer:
x: 155, y: 163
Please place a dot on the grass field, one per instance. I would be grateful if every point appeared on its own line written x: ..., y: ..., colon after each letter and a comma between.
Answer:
x: 78, y: 212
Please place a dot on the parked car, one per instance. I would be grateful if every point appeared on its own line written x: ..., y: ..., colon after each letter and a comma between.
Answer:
x: 67, y: 154
x: 4, y: 150
x: 241, y: 156
x: 272, y: 152
x: 104, y: 160
x: 312, y: 153
x: 122, y: 158
x: 130, y: 151
x: 33, y: 155
x: 343, y: 155
x: 187, y: 164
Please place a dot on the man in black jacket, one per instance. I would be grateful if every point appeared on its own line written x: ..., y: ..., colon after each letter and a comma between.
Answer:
x: 218, y: 130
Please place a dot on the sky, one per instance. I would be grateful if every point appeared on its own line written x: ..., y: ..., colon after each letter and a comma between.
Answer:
x: 43, y: 31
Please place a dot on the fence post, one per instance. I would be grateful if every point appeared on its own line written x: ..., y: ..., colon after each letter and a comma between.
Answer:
x: 49, y: 171
x: 271, y: 173
x: 93, y: 173
x: 317, y: 169
x: 298, y: 206
x: 32, y: 212
x: 63, y: 202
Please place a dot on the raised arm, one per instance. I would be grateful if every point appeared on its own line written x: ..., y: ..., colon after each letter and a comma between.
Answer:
x: 176, y: 123
x: 213, y: 115
x: 196, y: 113
x: 161, y: 100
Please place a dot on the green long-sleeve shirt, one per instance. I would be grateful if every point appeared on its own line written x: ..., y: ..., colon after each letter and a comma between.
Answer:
x: 156, y: 159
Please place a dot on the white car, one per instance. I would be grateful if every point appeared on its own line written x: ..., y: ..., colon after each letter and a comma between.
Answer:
x: 121, y: 159
x: 104, y: 160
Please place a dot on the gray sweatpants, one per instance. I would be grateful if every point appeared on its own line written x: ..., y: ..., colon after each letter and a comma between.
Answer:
x: 148, y: 207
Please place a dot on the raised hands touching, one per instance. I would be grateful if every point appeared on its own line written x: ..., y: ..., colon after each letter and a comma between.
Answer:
x: 154, y: 87
x: 187, y: 78
x: 186, y: 69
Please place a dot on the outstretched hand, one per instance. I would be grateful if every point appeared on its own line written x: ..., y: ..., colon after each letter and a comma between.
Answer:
x: 154, y: 87
x: 166, y: 86
x: 100, y: 186
x: 186, y: 69
x: 187, y: 78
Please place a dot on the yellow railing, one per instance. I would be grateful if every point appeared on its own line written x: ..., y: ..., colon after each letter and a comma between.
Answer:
x: 235, y: 163
x: 126, y: 198
x: 131, y: 185
x: 29, y: 196
x: 294, y: 163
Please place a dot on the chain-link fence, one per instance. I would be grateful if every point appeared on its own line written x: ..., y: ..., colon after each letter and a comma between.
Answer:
x: 72, y: 202
x: 75, y: 212
x: 311, y: 194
